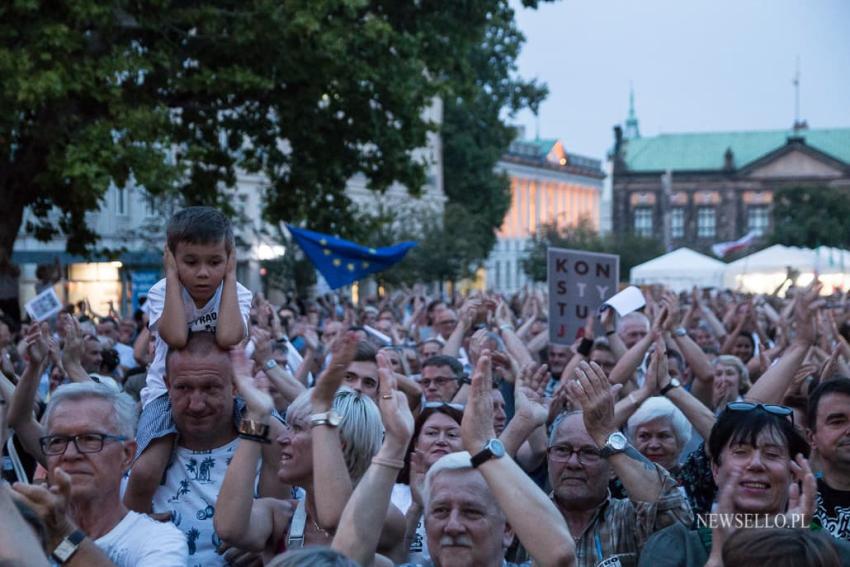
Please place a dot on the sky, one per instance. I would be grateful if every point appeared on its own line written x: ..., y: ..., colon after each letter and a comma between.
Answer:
x: 696, y: 66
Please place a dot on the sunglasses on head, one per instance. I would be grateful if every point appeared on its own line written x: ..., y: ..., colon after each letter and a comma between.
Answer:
x: 775, y: 409
x: 432, y: 405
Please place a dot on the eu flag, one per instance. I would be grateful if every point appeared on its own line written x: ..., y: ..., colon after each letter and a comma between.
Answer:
x: 342, y: 262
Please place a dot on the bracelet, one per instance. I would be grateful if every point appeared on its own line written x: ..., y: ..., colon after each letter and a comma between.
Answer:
x: 257, y: 438
x: 609, y: 333
x: 506, y: 327
x: 396, y: 464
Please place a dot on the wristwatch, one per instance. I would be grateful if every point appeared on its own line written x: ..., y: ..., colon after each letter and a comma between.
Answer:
x: 253, y: 428
x: 270, y: 363
x: 680, y: 331
x: 68, y: 546
x: 616, y: 443
x: 493, y: 449
x: 674, y: 383
x: 329, y: 418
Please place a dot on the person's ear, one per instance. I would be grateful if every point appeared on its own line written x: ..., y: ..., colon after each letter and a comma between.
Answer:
x: 810, y: 436
x: 715, y: 472
x: 128, y: 456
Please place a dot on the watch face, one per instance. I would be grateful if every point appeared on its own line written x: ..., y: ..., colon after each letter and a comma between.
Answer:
x: 617, y: 441
x: 675, y: 382
x: 497, y: 448
x: 334, y: 418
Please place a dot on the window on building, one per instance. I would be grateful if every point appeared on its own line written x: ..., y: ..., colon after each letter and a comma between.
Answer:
x: 757, y: 220
x: 643, y: 221
x: 677, y: 222
x: 120, y: 200
x: 706, y: 222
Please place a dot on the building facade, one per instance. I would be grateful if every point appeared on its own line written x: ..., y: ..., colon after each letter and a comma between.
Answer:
x: 548, y: 186
x: 698, y: 189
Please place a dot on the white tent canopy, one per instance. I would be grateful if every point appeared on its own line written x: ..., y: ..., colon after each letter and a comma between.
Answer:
x: 765, y: 270
x: 680, y: 270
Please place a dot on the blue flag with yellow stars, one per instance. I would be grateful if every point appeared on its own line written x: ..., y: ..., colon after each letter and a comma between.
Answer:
x: 342, y: 262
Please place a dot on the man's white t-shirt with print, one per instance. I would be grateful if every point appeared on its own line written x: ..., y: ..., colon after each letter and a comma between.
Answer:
x: 139, y: 541
x: 192, y: 484
x: 199, y: 319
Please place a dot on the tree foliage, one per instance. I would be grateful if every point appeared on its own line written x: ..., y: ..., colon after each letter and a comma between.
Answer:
x: 632, y: 249
x: 810, y: 217
x: 476, y: 134
x: 179, y: 96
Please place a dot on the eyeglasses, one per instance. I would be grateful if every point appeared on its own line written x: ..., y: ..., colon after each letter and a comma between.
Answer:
x: 84, y: 442
x: 775, y: 409
x: 585, y: 455
x: 438, y: 382
x: 432, y: 405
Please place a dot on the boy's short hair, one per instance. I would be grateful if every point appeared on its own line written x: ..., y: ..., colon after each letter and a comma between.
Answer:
x: 199, y: 225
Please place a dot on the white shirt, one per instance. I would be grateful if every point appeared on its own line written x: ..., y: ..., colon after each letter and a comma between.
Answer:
x: 139, y: 541
x: 403, y: 499
x: 125, y: 355
x: 191, y: 488
x: 199, y: 319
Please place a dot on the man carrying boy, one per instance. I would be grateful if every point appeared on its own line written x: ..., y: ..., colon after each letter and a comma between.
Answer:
x: 199, y: 293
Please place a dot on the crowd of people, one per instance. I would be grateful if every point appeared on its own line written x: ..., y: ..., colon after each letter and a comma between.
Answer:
x: 215, y: 428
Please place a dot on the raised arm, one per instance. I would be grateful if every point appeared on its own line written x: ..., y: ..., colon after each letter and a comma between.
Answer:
x: 628, y: 364
x: 357, y: 537
x: 51, y: 506
x: 21, y: 418
x: 230, y: 327
x: 282, y: 380
x: 171, y: 324
x: 240, y: 520
x: 513, y: 344
x: 643, y: 481
x: 72, y: 350
x: 466, y: 317
x: 331, y: 481
x: 771, y: 387
x: 538, y: 524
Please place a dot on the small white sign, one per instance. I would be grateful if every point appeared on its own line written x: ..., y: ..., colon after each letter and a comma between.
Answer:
x: 628, y: 300
x: 44, y: 305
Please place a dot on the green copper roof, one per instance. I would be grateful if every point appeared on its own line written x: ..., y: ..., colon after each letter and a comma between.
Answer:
x: 696, y: 152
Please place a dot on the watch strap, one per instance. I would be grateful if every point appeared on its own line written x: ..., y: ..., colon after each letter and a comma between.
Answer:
x: 486, y: 454
x: 329, y: 418
x: 68, y: 546
x: 253, y: 428
x: 668, y: 387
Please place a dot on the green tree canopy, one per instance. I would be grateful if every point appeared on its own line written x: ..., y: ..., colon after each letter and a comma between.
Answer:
x: 811, y: 217
x: 632, y: 249
x: 179, y: 96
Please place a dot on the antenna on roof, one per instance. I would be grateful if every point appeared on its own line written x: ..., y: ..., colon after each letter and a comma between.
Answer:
x: 798, y: 124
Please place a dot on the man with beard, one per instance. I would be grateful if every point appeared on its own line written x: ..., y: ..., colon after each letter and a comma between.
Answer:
x: 829, y: 433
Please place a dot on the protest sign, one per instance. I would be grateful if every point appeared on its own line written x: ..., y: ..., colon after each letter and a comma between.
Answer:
x: 628, y: 300
x: 44, y: 305
x: 579, y: 282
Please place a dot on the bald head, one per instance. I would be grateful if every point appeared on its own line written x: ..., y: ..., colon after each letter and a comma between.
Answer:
x: 632, y: 328
x: 198, y: 346
x: 199, y: 378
